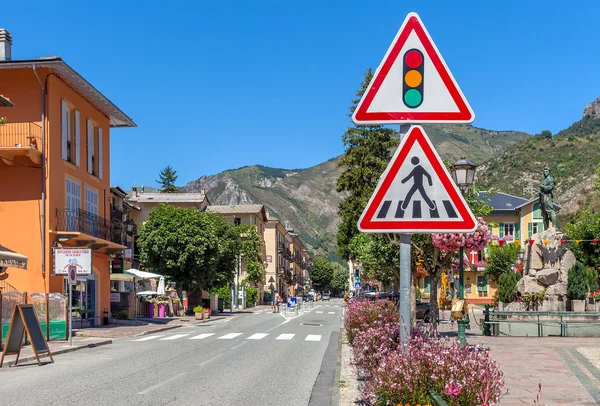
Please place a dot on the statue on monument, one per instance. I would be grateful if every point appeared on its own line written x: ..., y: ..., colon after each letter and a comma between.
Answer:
x: 546, y: 196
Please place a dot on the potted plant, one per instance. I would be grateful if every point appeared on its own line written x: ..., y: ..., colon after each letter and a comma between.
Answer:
x: 207, y: 313
x: 577, y: 287
x: 593, y: 299
x: 198, y: 312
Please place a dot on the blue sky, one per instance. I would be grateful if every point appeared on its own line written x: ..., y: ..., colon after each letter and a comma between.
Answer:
x: 216, y: 85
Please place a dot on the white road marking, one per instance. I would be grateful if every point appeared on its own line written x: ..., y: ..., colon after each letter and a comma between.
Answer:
x: 148, y: 338
x: 211, y: 359
x: 162, y: 382
x: 330, y: 312
x: 228, y: 319
x: 202, y: 336
x: 174, y: 337
x: 285, y: 337
x: 239, y: 345
x: 320, y: 311
x: 257, y: 336
x: 313, y: 337
x: 229, y: 336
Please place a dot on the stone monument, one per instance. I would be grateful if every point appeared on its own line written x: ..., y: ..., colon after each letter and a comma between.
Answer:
x: 546, y: 198
x: 547, y: 265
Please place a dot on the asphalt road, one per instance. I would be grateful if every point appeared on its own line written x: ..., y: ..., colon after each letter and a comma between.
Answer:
x: 250, y: 359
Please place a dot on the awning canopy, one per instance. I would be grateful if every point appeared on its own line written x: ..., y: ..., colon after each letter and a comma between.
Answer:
x: 141, y: 274
x: 11, y: 259
x: 121, y: 277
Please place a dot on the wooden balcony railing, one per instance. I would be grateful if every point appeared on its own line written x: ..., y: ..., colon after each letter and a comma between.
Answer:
x: 21, y: 134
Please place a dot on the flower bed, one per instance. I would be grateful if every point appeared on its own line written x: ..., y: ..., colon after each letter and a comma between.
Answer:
x: 403, y: 374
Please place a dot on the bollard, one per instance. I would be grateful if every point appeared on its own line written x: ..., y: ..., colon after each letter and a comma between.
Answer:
x: 105, y: 316
x: 486, y: 321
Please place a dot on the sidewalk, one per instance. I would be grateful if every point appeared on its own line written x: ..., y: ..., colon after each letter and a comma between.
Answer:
x: 56, y: 347
x: 144, y: 326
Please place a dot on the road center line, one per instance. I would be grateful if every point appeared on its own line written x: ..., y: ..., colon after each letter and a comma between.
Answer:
x: 211, y: 359
x: 162, y: 383
x: 239, y: 345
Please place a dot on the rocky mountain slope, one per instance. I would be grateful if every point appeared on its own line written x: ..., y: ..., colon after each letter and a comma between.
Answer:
x: 306, y: 199
x: 573, y: 156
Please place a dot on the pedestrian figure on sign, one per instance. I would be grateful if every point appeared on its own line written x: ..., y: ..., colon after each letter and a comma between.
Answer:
x: 418, y: 173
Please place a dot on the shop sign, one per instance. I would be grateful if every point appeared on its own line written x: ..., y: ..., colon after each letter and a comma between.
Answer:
x: 269, y: 258
x: 117, y: 265
x: 80, y: 258
x: 115, y: 297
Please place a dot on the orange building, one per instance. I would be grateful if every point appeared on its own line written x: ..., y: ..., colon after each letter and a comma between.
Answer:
x: 59, y: 119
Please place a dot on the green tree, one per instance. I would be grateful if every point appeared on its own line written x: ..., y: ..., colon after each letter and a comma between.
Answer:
x: 545, y: 134
x: 193, y: 248
x: 250, y: 249
x: 500, y: 260
x: 339, y: 282
x: 167, y: 178
x: 368, y: 151
x: 377, y: 255
x: 321, y: 274
x: 576, y: 282
x: 585, y: 226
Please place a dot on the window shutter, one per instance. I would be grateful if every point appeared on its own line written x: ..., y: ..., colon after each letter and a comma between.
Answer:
x: 100, y: 152
x: 90, y: 145
x: 518, y: 231
x: 501, y: 231
x: 77, y: 138
x: 529, y: 230
x: 64, y: 128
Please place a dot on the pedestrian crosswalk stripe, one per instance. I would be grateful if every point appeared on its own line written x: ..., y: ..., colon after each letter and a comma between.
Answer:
x: 174, y: 337
x: 313, y: 337
x: 257, y: 336
x: 285, y: 337
x: 330, y: 312
x: 320, y: 311
x: 229, y: 336
x: 147, y: 338
x: 417, y: 212
x: 202, y: 336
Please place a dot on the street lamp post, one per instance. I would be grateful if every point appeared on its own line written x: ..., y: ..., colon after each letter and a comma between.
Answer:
x: 463, y: 174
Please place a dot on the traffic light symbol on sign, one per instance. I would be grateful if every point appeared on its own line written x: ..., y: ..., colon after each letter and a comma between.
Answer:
x: 412, y: 85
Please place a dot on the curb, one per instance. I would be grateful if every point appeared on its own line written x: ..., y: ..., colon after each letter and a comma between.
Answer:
x: 62, y: 351
x: 335, y: 396
x: 158, y: 330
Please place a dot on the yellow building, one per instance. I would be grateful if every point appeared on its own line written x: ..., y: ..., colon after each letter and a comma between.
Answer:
x: 514, y: 219
x: 247, y: 214
x: 277, y: 258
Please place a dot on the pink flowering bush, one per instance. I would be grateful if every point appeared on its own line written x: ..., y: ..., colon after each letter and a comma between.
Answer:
x: 453, y: 241
x: 462, y: 376
x: 362, y: 315
x: 374, y: 344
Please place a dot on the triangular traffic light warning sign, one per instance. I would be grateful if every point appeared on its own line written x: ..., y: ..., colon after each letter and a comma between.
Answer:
x: 413, y: 84
x: 416, y: 194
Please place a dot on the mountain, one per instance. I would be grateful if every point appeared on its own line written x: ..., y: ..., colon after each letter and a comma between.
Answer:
x: 573, y: 156
x: 306, y: 199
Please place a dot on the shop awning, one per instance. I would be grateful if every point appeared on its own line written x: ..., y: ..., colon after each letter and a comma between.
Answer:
x: 141, y: 274
x: 11, y: 259
x: 121, y: 277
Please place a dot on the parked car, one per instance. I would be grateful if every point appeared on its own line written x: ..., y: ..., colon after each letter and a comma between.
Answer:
x: 325, y: 296
x: 308, y: 298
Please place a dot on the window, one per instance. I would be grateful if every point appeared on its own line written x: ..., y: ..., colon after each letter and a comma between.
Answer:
x: 537, y: 212
x: 237, y: 221
x: 534, y: 228
x: 73, y: 203
x: 482, y: 285
x: 480, y: 256
x: 509, y: 228
x: 94, y: 149
x: 91, y: 208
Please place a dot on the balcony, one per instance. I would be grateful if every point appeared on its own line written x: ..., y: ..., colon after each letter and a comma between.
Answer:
x: 115, y: 214
x: 86, y: 228
x: 21, y: 143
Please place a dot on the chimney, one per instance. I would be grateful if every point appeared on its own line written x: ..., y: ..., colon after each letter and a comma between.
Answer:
x: 142, y: 189
x: 5, y: 45
x: 134, y: 192
x: 202, y: 191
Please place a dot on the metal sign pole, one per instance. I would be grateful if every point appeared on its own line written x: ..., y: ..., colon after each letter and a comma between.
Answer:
x: 70, y: 314
x: 404, y: 288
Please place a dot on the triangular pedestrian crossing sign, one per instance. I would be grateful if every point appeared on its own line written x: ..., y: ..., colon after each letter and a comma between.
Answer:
x: 416, y: 194
x: 413, y: 84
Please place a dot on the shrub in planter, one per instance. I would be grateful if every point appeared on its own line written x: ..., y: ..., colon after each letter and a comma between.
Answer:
x: 591, y: 276
x: 198, y: 312
x: 362, y: 315
x: 576, y: 282
x: 507, y: 287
